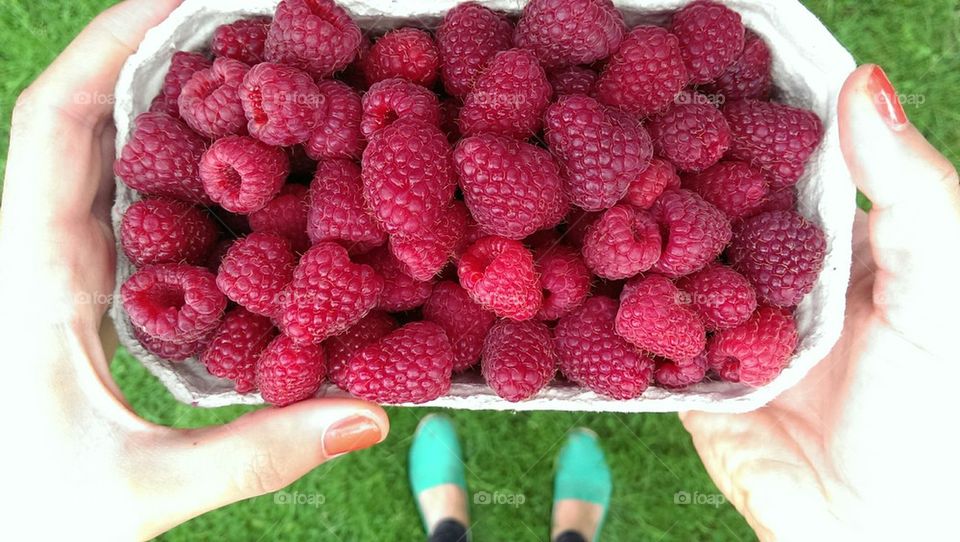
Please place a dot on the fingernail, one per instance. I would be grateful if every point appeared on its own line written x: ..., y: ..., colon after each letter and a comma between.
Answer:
x: 886, y: 99
x: 351, y: 434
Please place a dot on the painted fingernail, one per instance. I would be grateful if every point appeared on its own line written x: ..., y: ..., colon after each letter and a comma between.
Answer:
x: 351, y: 434
x: 886, y: 99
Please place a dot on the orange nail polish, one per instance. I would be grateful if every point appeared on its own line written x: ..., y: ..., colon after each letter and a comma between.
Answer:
x: 351, y: 434
x: 886, y: 99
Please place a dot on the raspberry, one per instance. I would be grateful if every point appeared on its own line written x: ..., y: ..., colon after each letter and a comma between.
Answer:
x: 407, y: 53
x: 734, y: 187
x: 781, y: 252
x: 499, y: 275
x: 161, y: 157
x: 408, y: 176
x: 282, y: 104
x: 424, y: 255
x: 209, y: 102
x: 400, y: 291
x: 711, y: 39
x: 393, y: 99
x: 242, y: 40
x: 328, y: 294
x: 693, y: 136
x: 508, y: 98
x: 182, y: 67
x: 694, y: 232
x: 645, y: 74
x: 317, y: 36
x: 468, y: 36
x: 623, y: 243
x: 518, y: 359
x: 784, y: 199
x: 567, y: 32
x: 572, y: 80
x: 243, y: 174
x: 159, y: 230
x: 756, y: 351
x: 512, y: 188
x: 749, y: 76
x: 722, y: 297
x: 337, y: 210
x: 592, y: 355
x: 646, y: 187
x: 653, y: 317
x: 170, y: 350
x: 337, y: 134
x: 677, y: 375
x: 340, y: 348
x: 565, y: 280
x: 410, y: 365
x: 288, y: 372
x: 235, y: 347
x: 255, y: 270
x: 173, y: 302
x: 776, y: 138
x: 600, y: 153
x: 465, y: 322
x: 286, y: 216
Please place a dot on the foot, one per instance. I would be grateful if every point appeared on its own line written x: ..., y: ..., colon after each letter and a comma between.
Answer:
x: 436, y: 473
x: 582, y: 487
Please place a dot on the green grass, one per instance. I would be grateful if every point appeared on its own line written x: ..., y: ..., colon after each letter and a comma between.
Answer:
x: 364, y: 495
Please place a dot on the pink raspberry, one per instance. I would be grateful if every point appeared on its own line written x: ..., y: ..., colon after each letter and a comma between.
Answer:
x: 340, y: 348
x: 734, y: 187
x: 512, y: 188
x: 592, y: 355
x: 565, y: 280
x: 281, y: 103
x: 410, y: 365
x: 160, y: 230
x: 749, y: 76
x: 390, y: 100
x: 400, y: 291
x: 235, y: 347
x: 286, y: 216
x: 407, y: 53
x: 161, y: 158
x: 722, y: 297
x: 678, y: 375
x: 711, y: 39
x: 568, y: 32
x: 784, y: 199
x: 508, y: 98
x: 255, y: 270
x: 183, y: 65
x: 209, y: 102
x: 623, y: 243
x: 468, y: 36
x: 654, y: 318
x: 518, y: 359
x: 170, y: 350
x: 337, y: 134
x: 423, y: 256
x: 572, y: 80
x: 600, y: 153
x: 243, y: 174
x: 781, y: 252
x: 288, y: 372
x: 317, y: 36
x: 645, y: 74
x: 337, y: 210
x: 694, y: 232
x: 500, y: 276
x: 465, y: 322
x: 328, y: 294
x: 173, y: 302
x: 756, y: 351
x: 646, y: 187
x: 693, y: 136
x: 242, y: 40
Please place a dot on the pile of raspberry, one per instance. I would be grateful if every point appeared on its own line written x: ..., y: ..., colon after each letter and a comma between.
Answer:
x: 557, y: 198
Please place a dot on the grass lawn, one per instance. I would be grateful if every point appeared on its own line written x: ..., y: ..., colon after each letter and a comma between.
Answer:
x: 364, y: 496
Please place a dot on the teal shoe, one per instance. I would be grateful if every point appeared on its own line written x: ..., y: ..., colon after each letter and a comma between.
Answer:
x: 583, y: 474
x: 435, y: 456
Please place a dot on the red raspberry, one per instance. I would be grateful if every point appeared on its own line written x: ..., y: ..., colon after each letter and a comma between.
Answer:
x: 592, y: 355
x: 159, y: 230
x: 653, y: 317
x: 170, y: 350
x: 623, y: 243
x: 410, y: 365
x: 645, y: 74
x: 408, y: 176
x: 784, y: 199
x: 755, y: 352
x: 337, y: 134
x: 337, y: 210
x: 711, y: 39
x: 508, y: 98
x: 693, y: 136
x: 242, y: 40
x: 600, y: 153
x: 518, y: 359
x: 288, y: 372
x: 235, y: 347
x: 161, y: 157
x: 677, y: 375
x: 572, y: 80
x: 173, y: 302
x: 568, y: 32
x: 734, y: 187
x: 182, y: 67
x: 722, y: 297
x: 565, y: 280
x: 209, y: 102
x: 694, y: 232
x: 423, y: 256
x: 282, y: 104
x: 500, y: 276
x: 645, y: 188
x: 781, y: 252
x: 313, y: 35
x: 286, y: 216
x: 255, y: 270
x: 393, y: 99
x: 512, y: 188
x: 407, y: 53
x: 774, y: 137
x: 468, y: 36
x: 465, y: 322
x: 243, y: 174
x: 340, y: 348
x: 328, y: 294
x: 749, y: 76
x: 400, y: 291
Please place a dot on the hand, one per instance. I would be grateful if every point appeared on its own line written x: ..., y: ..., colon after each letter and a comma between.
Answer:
x: 862, y: 448
x: 77, y: 460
